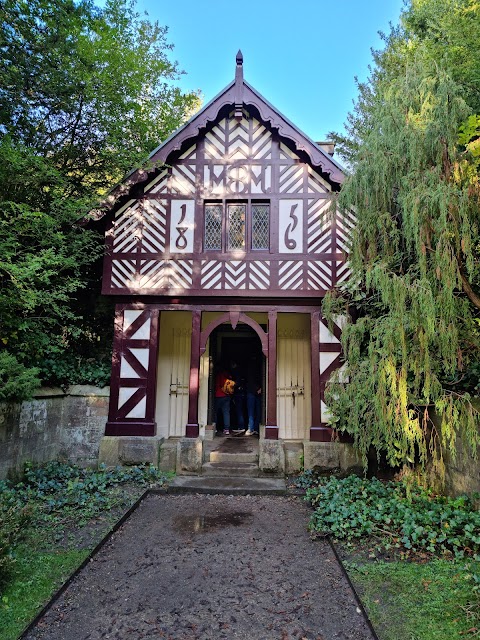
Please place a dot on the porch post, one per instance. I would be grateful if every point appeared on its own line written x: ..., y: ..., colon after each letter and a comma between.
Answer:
x: 271, y: 428
x: 317, y: 430
x: 192, y: 429
x: 134, y: 372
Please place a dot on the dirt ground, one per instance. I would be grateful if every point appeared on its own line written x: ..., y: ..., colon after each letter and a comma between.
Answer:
x: 208, y: 567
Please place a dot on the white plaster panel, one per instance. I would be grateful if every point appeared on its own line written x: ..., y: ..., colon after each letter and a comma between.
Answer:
x: 129, y: 317
x: 190, y: 153
x: 325, y: 413
x: 141, y: 355
x: 258, y: 185
x: 326, y: 336
x: 326, y: 359
x: 124, y: 394
x: 139, y: 410
x: 143, y: 333
x: 126, y: 371
x: 182, y: 225
x: 154, y: 183
x: 290, y: 226
x: 122, y: 209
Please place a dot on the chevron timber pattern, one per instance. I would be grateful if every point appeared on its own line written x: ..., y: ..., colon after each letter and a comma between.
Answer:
x: 319, y: 227
x: 154, y: 237
x: 232, y: 161
x: 235, y: 274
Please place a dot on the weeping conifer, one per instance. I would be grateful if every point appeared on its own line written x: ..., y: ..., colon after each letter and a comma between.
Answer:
x: 412, y: 342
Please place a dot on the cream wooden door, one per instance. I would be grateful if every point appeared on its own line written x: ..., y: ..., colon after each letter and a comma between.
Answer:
x: 173, y: 373
x: 293, y: 376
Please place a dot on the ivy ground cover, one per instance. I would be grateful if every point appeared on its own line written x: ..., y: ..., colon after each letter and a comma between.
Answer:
x: 413, y: 556
x: 49, y: 523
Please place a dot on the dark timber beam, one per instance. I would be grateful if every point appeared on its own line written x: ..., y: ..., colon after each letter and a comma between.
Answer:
x: 192, y: 429
x: 271, y: 428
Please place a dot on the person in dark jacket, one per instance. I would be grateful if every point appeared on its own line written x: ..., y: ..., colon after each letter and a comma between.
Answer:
x: 222, y: 399
x: 239, y: 396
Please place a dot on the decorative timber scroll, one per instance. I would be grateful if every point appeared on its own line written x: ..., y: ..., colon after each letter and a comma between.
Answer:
x: 132, y: 391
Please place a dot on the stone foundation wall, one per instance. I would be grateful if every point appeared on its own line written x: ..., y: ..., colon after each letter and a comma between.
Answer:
x: 70, y: 426
x: 54, y: 425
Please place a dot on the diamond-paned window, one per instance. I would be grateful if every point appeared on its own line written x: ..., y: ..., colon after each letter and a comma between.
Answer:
x: 260, y: 226
x: 236, y: 226
x: 213, y: 227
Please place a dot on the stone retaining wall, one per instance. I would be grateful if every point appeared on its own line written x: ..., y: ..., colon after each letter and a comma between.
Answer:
x: 54, y: 425
x: 70, y: 426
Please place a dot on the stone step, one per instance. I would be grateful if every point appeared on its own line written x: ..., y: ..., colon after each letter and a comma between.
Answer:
x: 226, y: 485
x: 230, y: 469
x: 233, y: 458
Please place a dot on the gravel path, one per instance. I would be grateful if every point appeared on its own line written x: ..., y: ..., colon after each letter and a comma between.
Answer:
x: 201, y: 567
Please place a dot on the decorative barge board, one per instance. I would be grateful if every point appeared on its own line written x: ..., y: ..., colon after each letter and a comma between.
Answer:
x: 231, y: 232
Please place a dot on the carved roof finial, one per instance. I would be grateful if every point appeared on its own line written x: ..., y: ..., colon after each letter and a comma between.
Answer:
x: 239, y: 86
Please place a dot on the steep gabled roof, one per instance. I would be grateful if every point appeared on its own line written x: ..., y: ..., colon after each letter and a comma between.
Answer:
x: 236, y: 94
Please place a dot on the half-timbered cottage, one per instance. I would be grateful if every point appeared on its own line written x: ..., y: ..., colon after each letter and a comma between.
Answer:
x: 222, y: 249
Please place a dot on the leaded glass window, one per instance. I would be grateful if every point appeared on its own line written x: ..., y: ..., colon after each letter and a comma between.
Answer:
x: 213, y: 227
x: 236, y: 226
x: 260, y: 226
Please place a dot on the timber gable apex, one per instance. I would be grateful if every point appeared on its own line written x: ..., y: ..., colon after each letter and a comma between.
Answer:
x: 238, y: 203
x: 209, y: 115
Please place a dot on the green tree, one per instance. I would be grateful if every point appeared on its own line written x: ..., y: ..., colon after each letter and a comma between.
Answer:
x: 85, y: 94
x: 413, y: 298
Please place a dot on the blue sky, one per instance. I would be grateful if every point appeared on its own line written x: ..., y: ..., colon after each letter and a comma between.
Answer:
x: 302, y: 55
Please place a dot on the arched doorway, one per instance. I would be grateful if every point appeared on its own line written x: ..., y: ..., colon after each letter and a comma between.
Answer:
x: 240, y: 348
x: 198, y: 347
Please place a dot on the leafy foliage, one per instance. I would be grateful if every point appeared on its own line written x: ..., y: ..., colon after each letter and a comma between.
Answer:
x: 16, y: 380
x: 403, y: 515
x: 85, y: 94
x: 65, y: 496
x: 48, y: 524
x: 414, y: 294
x: 12, y: 521
x: 59, y: 488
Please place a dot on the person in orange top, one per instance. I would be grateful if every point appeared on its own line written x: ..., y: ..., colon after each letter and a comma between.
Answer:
x: 222, y: 399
